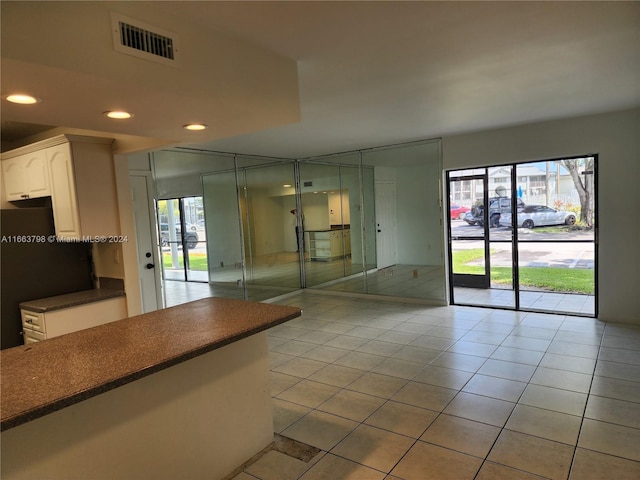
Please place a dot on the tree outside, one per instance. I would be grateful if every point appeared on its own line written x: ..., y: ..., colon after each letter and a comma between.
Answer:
x: 582, y: 174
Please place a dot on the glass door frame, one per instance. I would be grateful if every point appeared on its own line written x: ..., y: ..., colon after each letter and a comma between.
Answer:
x: 468, y: 279
x: 182, y: 240
x: 514, y: 241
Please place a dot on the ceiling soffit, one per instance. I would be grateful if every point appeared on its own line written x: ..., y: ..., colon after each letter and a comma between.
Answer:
x: 63, y: 53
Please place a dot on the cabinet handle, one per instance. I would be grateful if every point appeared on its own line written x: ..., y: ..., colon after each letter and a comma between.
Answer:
x: 24, y: 195
x: 28, y: 320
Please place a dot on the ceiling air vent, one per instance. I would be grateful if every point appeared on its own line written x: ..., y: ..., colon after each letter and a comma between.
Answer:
x: 136, y: 38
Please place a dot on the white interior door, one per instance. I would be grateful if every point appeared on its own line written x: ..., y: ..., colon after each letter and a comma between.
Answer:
x: 386, y: 224
x: 148, y: 260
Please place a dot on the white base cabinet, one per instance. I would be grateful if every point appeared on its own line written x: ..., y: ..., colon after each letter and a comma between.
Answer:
x: 37, y: 326
x: 327, y: 245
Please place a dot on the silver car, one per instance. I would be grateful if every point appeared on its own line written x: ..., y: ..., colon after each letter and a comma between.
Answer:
x: 539, y: 215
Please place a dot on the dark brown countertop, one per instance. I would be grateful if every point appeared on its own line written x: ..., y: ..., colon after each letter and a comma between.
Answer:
x: 70, y: 300
x: 38, y: 379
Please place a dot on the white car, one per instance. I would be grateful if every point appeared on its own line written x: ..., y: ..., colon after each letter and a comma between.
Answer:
x: 539, y: 215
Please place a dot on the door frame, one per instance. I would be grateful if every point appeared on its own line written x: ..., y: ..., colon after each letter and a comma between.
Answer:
x: 388, y: 229
x: 150, y: 217
x: 182, y: 240
x: 468, y: 279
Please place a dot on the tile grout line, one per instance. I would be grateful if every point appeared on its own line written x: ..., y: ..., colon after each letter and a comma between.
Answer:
x: 502, y: 429
x: 586, y: 403
x: 557, y: 330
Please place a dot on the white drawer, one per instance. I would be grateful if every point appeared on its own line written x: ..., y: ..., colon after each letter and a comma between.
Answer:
x: 33, y: 321
x: 31, y: 336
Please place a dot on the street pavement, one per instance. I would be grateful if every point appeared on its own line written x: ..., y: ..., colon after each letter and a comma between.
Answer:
x: 567, y: 249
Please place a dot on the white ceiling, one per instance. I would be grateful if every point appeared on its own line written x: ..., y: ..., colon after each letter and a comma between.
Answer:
x: 377, y: 73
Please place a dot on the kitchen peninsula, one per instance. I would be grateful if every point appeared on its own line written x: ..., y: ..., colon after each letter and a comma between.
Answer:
x: 181, y: 392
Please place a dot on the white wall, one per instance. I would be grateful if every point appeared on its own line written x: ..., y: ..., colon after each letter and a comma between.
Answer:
x: 615, y: 137
x: 316, y: 211
x: 267, y: 223
x: 222, y: 228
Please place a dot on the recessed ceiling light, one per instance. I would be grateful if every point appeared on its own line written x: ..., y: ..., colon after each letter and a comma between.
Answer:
x: 22, y: 99
x: 287, y: 185
x: 194, y: 126
x: 118, y: 114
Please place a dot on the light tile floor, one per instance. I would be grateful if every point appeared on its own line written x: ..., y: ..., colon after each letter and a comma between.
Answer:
x: 393, y: 390
x: 569, y: 303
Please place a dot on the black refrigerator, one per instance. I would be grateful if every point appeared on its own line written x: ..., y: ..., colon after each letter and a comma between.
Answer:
x: 39, y: 268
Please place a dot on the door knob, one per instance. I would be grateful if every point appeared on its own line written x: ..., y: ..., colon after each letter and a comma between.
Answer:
x: 149, y: 266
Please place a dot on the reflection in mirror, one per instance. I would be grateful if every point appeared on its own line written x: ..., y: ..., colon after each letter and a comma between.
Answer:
x: 362, y: 222
x: 326, y: 196
x: 223, y: 233
x: 268, y: 204
x: 398, y: 207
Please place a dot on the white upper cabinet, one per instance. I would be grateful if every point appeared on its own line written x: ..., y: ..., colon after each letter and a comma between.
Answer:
x: 66, y: 216
x: 78, y: 173
x: 26, y: 176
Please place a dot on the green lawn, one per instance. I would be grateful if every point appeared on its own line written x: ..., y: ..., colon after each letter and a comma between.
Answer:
x: 572, y: 280
x: 197, y: 261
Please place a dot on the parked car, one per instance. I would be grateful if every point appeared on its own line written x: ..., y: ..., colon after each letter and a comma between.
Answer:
x: 539, y: 215
x: 457, y: 212
x: 191, y: 237
x: 498, y: 206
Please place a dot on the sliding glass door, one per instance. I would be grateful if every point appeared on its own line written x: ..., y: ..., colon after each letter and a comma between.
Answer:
x: 556, y: 235
x: 534, y: 247
x: 182, y: 239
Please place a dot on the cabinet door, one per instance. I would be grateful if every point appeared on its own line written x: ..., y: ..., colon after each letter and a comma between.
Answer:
x: 33, y: 321
x: 63, y: 191
x: 37, y: 174
x: 31, y: 336
x: 15, y: 185
x: 26, y: 176
x: 336, y: 244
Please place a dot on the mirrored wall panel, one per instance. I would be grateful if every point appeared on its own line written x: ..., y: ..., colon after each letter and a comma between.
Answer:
x: 364, y: 222
x: 409, y: 243
x: 266, y: 195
